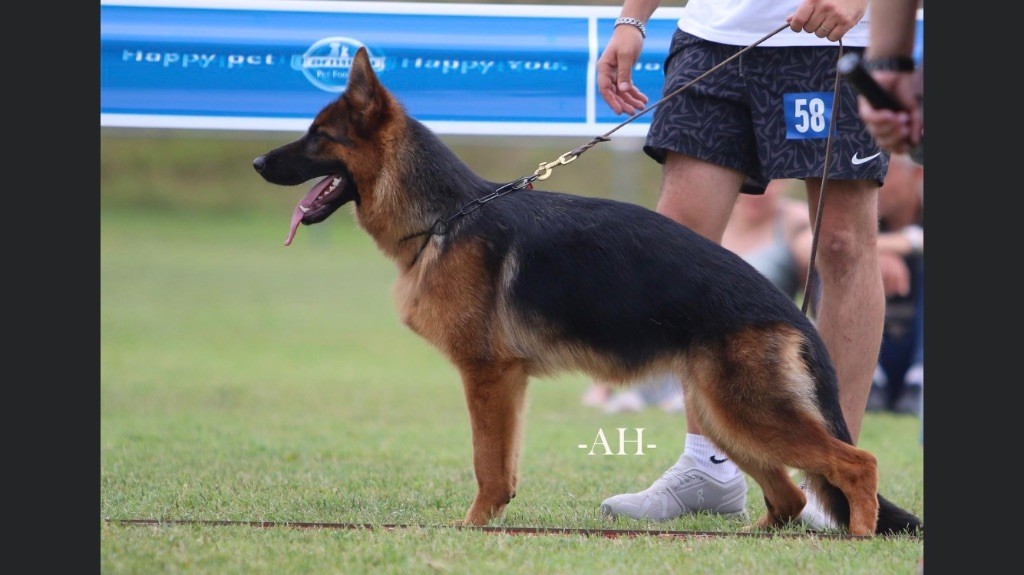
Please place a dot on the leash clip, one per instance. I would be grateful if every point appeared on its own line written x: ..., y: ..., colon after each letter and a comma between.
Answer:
x: 546, y: 167
x: 439, y: 228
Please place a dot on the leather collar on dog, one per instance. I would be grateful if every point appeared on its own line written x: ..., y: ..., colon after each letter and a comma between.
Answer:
x: 442, y: 227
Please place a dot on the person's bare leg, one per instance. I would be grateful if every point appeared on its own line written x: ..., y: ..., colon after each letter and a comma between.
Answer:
x: 851, y: 310
x: 699, y: 195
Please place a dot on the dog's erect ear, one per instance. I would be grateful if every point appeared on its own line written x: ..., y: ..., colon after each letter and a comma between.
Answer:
x: 364, y: 93
x: 361, y: 74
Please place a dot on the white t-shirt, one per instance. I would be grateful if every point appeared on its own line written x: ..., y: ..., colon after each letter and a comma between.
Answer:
x: 743, y: 22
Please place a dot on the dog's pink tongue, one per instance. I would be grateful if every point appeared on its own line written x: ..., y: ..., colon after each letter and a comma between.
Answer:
x: 303, y: 206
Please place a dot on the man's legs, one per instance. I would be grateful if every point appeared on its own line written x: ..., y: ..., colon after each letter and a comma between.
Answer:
x: 699, y: 195
x: 851, y: 312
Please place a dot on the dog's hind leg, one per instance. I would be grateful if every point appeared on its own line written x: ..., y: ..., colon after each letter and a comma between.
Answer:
x: 783, y: 500
x: 755, y: 397
x: 495, y: 396
x: 836, y: 465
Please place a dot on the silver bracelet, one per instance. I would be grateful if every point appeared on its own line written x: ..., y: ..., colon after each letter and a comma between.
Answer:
x: 633, y: 22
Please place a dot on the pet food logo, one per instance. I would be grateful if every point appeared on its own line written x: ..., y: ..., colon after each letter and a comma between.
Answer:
x: 326, y: 63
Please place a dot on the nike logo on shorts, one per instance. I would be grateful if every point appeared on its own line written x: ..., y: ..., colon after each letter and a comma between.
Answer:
x: 858, y: 161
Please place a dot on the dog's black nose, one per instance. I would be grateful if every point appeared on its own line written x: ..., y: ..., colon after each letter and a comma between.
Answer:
x: 259, y: 162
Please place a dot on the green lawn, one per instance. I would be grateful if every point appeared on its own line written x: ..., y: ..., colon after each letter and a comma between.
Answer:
x: 244, y: 380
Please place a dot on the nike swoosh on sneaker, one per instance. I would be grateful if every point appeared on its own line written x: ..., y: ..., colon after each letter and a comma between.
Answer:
x: 717, y: 461
x: 858, y: 161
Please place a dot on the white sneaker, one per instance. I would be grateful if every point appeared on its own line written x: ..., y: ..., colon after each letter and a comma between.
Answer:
x: 681, y: 490
x: 813, y: 515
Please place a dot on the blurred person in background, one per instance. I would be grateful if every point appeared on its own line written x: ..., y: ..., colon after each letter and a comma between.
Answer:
x: 898, y: 384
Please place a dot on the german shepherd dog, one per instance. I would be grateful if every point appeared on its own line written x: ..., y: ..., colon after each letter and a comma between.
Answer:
x: 536, y: 282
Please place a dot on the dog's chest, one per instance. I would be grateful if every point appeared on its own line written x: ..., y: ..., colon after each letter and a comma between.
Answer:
x: 414, y: 310
x: 445, y: 299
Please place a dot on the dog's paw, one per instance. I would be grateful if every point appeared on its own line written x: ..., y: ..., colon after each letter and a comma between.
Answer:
x: 765, y: 523
x: 475, y: 521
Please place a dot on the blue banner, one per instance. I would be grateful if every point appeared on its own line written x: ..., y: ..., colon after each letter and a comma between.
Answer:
x: 272, y: 64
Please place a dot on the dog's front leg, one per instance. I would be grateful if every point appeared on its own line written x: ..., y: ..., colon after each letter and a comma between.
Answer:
x: 495, y: 395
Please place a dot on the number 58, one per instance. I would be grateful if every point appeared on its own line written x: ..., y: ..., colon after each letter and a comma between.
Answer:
x: 810, y: 114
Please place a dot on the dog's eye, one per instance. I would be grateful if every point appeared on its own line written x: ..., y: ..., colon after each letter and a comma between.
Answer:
x: 317, y: 140
x: 342, y: 139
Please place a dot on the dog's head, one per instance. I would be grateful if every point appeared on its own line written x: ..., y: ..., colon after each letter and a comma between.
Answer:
x: 339, y: 147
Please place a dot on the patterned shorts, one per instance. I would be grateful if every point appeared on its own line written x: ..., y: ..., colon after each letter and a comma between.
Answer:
x: 767, y: 113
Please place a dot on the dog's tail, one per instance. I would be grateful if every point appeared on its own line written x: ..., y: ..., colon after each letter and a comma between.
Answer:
x: 892, y: 520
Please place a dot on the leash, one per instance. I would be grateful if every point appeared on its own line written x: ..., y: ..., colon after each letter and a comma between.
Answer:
x: 809, y: 281
x: 606, y: 533
x: 576, y: 152
x: 543, y: 172
x: 441, y: 227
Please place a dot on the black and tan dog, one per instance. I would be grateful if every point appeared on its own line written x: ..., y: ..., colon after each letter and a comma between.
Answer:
x: 532, y: 283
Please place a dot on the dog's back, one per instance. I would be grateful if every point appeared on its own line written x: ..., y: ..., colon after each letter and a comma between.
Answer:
x: 624, y: 281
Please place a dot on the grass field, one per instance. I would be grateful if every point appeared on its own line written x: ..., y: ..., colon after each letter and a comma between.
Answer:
x: 244, y: 380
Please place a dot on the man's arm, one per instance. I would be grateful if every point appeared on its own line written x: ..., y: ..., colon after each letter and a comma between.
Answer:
x: 890, y: 47
x: 615, y: 67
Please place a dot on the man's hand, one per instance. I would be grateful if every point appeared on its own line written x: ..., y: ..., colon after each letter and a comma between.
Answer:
x: 615, y: 71
x: 895, y: 132
x: 827, y: 18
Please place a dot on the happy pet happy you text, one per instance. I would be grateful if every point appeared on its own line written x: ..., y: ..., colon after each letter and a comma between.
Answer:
x: 200, y: 60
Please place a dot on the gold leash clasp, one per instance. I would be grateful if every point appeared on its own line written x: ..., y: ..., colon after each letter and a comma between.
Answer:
x: 546, y: 167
